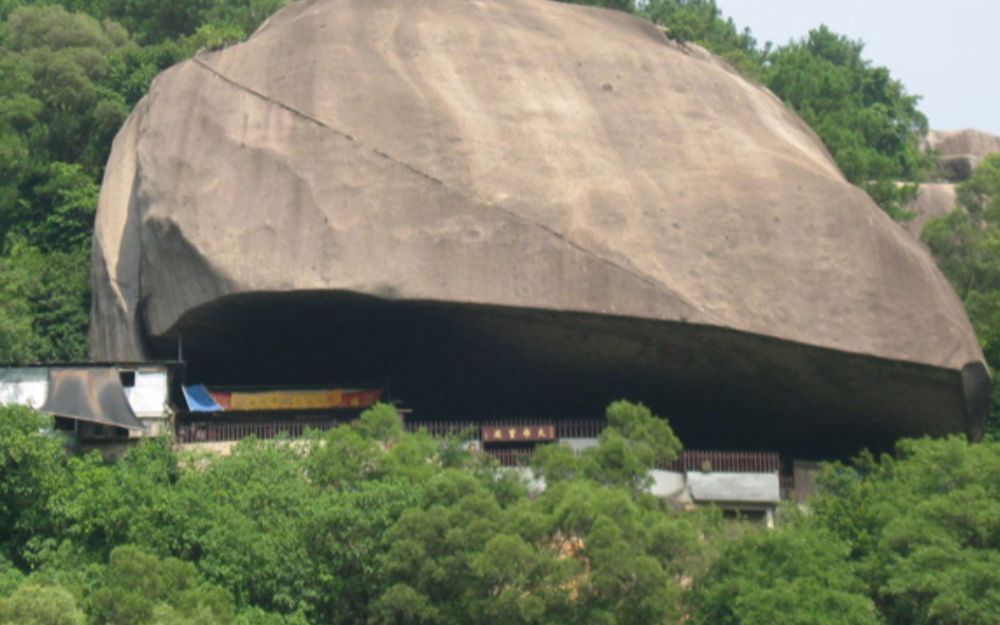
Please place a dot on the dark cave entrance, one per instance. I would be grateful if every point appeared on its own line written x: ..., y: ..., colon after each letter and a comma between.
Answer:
x: 719, y: 389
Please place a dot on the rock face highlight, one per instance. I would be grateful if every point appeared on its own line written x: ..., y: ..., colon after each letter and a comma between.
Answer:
x: 519, y: 206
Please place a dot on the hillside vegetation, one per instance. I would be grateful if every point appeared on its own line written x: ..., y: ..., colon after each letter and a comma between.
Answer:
x: 966, y: 244
x: 368, y: 524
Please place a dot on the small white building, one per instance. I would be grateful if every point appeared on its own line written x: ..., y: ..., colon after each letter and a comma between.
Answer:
x: 97, y: 401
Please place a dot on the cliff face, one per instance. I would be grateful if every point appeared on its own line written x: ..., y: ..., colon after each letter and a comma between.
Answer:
x: 453, y: 192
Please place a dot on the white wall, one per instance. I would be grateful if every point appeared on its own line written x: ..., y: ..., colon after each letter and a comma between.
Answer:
x: 27, y: 386
x: 757, y: 488
x: 578, y: 444
x: 148, y: 397
x: 669, y: 485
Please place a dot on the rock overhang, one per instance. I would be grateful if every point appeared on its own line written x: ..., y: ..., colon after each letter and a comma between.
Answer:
x: 560, y: 166
x: 719, y: 387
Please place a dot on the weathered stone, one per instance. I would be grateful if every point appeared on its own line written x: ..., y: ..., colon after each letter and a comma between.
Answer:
x: 933, y: 200
x: 956, y: 168
x: 960, y: 151
x: 959, y: 142
x: 515, y: 207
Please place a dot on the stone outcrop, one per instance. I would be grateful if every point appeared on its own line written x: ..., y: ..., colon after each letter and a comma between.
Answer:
x: 513, y: 205
x: 958, y: 154
x: 959, y: 151
x: 933, y: 200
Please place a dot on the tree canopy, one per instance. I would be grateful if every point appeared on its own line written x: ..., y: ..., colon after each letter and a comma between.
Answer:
x: 966, y: 244
x: 363, y: 523
x: 429, y: 531
x: 866, y: 118
x: 69, y: 74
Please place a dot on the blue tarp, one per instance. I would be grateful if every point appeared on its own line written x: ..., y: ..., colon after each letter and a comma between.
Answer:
x: 199, y: 399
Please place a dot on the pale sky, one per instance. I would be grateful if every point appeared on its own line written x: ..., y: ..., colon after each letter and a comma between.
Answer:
x: 946, y: 51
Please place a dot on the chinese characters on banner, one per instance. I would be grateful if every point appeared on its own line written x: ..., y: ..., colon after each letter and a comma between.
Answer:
x: 295, y: 400
x: 518, y: 433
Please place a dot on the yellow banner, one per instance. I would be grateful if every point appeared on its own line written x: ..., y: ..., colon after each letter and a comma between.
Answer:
x: 287, y: 400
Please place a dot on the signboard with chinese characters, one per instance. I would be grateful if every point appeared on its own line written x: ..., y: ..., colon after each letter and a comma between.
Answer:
x: 518, y: 433
x: 201, y: 399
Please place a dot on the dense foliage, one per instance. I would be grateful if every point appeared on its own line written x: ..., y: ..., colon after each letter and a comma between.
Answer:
x: 866, y: 118
x: 362, y: 524
x: 966, y: 244
x: 368, y: 524
x: 67, y: 82
x: 69, y: 74
x: 910, y: 539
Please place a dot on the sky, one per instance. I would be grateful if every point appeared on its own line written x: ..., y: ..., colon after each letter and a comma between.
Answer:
x: 948, y: 51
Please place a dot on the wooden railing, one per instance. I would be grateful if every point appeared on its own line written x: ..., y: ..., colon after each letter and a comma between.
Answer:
x: 689, y: 460
x: 512, y: 457
x: 565, y: 428
x: 726, y: 461
x: 236, y: 429
x: 786, y: 484
x: 225, y: 431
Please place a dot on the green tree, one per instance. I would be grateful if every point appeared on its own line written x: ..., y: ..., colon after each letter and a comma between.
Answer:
x: 40, y: 605
x: 382, y: 424
x: 618, y: 5
x: 966, y: 245
x: 924, y: 527
x: 701, y: 22
x: 577, y: 552
x: 628, y: 449
x: 140, y: 589
x: 60, y: 58
x: 10, y: 576
x: 130, y: 500
x: 32, y: 475
x: 866, y: 118
x: 56, y: 124
x: 155, y: 22
x: 796, y: 576
x: 43, y: 315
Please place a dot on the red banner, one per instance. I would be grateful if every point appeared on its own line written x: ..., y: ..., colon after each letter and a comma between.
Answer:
x: 518, y: 433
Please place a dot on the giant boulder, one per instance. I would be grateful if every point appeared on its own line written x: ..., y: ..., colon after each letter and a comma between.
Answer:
x: 520, y: 208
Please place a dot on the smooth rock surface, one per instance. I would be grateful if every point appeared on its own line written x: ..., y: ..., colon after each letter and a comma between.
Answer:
x: 960, y: 151
x: 933, y: 200
x: 555, y: 167
x: 959, y: 142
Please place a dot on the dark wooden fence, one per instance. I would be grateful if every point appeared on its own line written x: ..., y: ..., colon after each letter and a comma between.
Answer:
x: 565, y: 428
x: 689, y: 460
x: 226, y: 431
x: 726, y: 461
